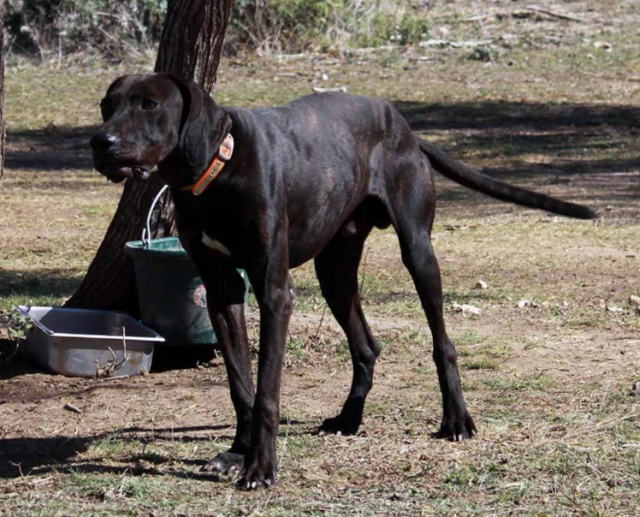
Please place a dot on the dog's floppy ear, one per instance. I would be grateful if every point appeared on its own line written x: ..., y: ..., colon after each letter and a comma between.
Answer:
x: 117, y: 82
x: 203, y: 128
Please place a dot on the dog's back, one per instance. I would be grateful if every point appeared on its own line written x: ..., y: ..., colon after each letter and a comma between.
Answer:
x: 333, y: 150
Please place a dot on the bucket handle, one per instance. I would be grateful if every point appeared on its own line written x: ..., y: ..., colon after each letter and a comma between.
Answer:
x: 147, y: 231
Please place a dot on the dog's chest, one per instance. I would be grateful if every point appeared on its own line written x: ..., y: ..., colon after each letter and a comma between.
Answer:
x: 223, y: 229
x: 215, y: 246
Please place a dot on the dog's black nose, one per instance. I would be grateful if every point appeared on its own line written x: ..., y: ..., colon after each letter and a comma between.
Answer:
x: 103, y: 141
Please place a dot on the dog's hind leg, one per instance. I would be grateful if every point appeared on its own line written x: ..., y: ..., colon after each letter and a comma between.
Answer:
x: 413, y: 225
x: 337, y: 271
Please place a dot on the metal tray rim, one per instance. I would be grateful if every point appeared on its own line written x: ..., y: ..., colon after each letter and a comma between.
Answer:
x: 25, y: 311
x: 158, y: 339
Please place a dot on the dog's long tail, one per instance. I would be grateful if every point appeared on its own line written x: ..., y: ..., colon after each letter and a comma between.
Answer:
x: 467, y: 177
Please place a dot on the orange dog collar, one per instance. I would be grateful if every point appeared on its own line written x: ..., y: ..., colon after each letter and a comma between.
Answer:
x: 212, y: 172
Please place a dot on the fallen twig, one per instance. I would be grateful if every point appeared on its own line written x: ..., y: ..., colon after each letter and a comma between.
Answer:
x: 290, y: 74
x: 630, y: 79
x: 537, y: 9
x: 113, y: 365
x: 603, y: 426
x: 443, y: 43
x: 117, y: 377
x: 71, y: 407
x: 319, y: 89
x: 317, y: 336
x: 477, y: 18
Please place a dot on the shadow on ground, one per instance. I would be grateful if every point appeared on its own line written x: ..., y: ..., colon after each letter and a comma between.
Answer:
x: 55, y: 283
x: 51, y: 148
x: 39, y: 456
x: 547, y: 147
x: 570, y: 138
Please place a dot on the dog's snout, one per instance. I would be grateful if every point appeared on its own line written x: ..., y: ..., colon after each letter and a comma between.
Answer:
x: 103, y: 141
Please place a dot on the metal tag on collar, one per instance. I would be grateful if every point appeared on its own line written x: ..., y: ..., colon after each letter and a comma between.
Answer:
x: 226, y: 149
x: 224, y: 155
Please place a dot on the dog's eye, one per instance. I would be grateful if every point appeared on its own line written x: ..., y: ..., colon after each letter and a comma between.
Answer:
x: 149, y: 104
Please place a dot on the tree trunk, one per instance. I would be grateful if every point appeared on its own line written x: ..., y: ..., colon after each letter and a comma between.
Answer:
x: 1, y: 89
x: 192, y: 39
x: 190, y: 47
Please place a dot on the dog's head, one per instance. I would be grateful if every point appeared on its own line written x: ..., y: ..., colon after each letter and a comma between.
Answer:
x: 149, y: 119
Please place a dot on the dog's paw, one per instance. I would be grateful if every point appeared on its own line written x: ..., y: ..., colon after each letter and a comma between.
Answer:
x: 257, y: 476
x: 457, y: 428
x: 340, y: 425
x: 225, y: 463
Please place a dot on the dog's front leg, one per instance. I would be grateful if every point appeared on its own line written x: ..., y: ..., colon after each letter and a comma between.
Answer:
x: 228, y: 322
x: 225, y: 301
x: 272, y: 288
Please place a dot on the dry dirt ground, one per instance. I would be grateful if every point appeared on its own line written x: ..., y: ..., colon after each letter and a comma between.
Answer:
x: 548, y: 366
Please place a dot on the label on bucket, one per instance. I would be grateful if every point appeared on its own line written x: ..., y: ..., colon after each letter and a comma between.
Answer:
x: 200, y: 296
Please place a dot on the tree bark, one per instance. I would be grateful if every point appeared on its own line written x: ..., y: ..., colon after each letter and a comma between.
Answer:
x: 190, y: 47
x: 192, y: 39
x: 1, y: 89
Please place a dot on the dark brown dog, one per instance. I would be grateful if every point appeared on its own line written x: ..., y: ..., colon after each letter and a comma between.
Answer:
x: 308, y: 180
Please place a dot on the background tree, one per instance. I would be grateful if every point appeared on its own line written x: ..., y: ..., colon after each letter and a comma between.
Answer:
x: 1, y: 89
x: 190, y: 47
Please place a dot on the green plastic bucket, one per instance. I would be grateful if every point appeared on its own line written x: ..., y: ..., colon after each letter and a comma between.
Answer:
x: 171, y: 295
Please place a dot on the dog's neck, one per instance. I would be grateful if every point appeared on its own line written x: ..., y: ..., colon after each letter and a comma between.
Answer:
x: 177, y: 175
x: 220, y: 159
